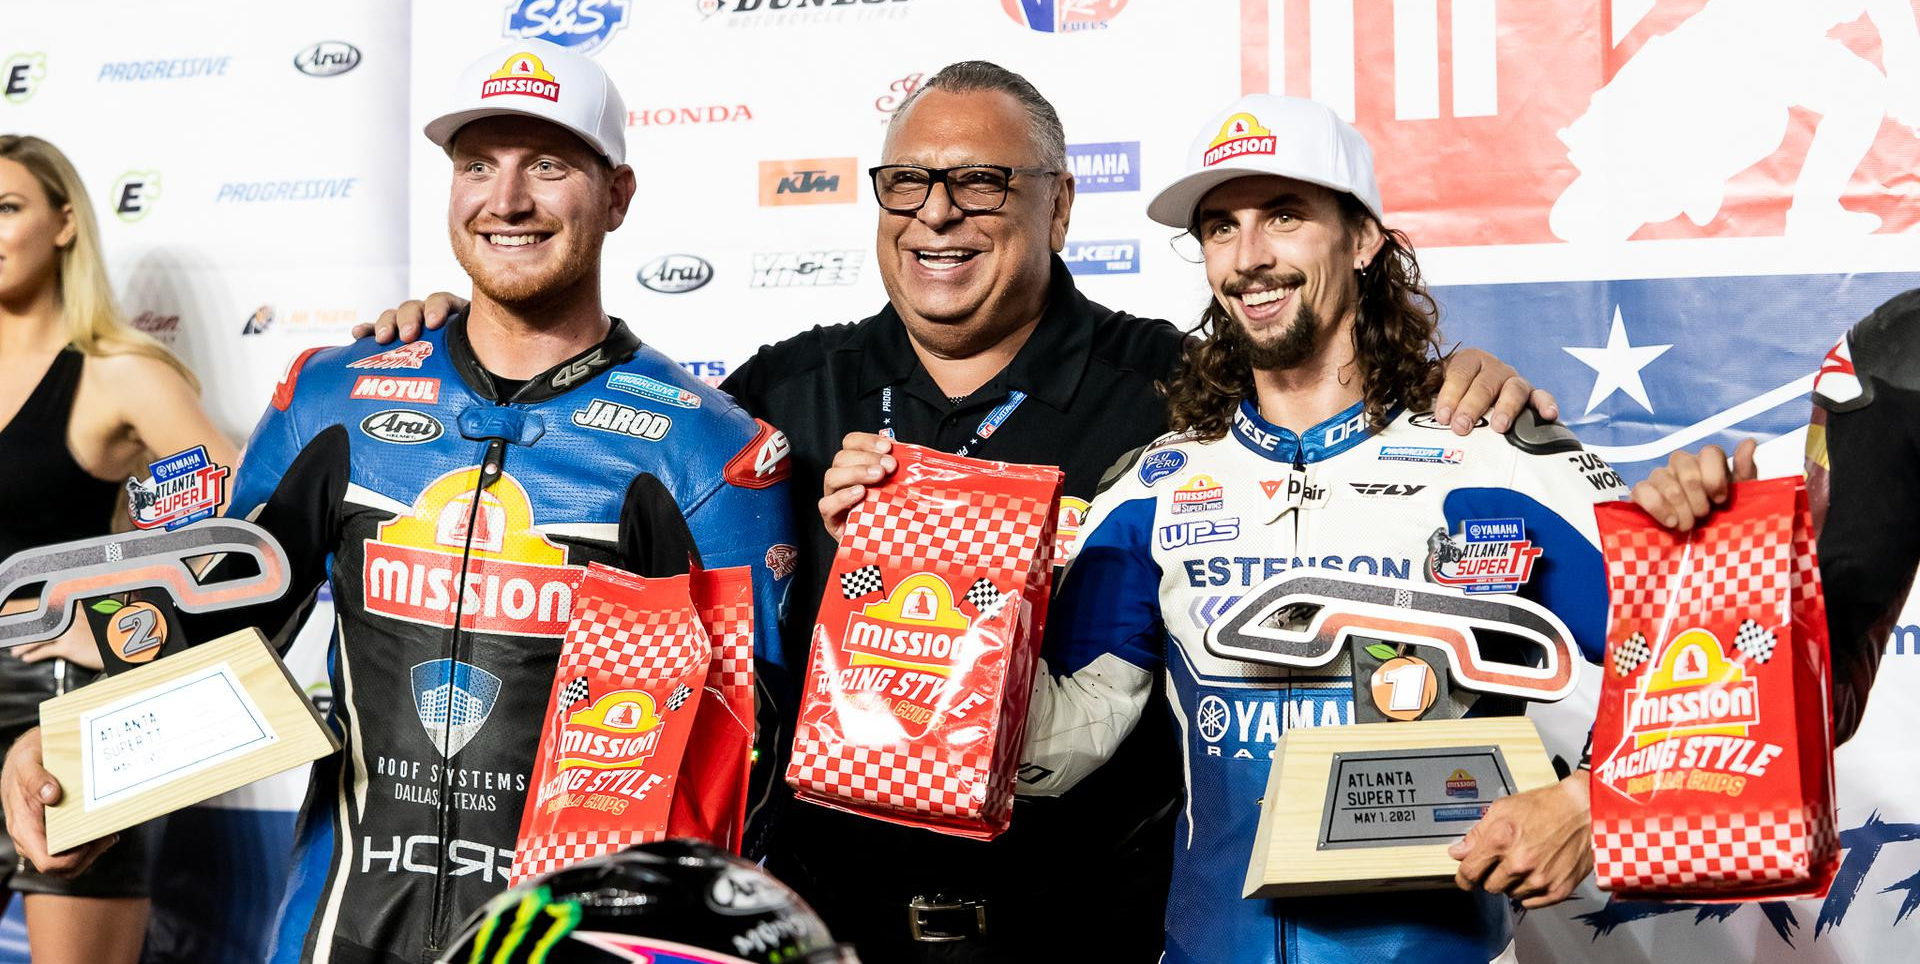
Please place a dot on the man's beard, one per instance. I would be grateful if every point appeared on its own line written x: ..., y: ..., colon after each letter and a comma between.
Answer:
x: 529, y: 289
x: 1294, y: 346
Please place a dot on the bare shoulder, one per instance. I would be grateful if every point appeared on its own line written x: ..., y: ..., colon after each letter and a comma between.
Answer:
x: 131, y: 377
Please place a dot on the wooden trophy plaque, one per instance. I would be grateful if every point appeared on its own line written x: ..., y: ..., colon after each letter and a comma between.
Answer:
x: 173, y: 724
x: 1374, y: 805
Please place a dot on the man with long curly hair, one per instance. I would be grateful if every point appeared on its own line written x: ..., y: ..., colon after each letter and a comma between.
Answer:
x: 1303, y: 443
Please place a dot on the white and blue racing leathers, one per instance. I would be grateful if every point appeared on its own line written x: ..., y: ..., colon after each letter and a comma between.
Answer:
x: 1184, y: 530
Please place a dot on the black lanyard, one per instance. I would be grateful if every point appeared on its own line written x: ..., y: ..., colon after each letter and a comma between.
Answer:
x: 988, y: 425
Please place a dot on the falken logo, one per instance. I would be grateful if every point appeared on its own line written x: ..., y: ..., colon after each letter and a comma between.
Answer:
x: 387, y: 388
x: 402, y: 426
x: 1158, y: 465
x: 1102, y: 257
x: 582, y: 26
x: 1497, y: 557
x: 411, y: 355
x: 623, y: 420
x: 453, y: 700
x: 186, y: 487
x: 653, y: 389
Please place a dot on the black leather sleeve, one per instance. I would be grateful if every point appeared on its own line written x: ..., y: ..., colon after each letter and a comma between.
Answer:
x: 303, y: 515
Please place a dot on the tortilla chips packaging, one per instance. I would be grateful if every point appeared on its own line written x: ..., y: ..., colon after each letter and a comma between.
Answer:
x: 649, y: 729
x: 922, y: 663
x: 1713, y: 756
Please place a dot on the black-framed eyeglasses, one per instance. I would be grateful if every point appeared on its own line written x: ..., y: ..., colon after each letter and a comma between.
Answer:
x: 973, y: 188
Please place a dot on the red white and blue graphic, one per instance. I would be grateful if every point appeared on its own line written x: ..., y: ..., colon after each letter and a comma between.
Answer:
x: 185, y: 488
x: 1063, y: 16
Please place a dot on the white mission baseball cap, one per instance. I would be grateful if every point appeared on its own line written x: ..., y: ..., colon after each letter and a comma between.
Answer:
x: 537, y: 78
x: 1270, y: 134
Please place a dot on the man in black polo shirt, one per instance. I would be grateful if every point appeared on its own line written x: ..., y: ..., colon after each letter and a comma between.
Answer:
x: 985, y: 346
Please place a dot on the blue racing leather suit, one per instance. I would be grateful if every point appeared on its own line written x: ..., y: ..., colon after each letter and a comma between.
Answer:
x: 1184, y: 529
x: 453, y: 526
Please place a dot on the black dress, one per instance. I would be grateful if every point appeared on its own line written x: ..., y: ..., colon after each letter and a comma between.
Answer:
x: 50, y: 499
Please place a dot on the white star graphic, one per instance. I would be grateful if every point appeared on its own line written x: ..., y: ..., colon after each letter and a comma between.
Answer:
x: 1617, y: 366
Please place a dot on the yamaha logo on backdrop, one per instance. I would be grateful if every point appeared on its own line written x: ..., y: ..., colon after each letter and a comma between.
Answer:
x: 582, y: 26
x: 328, y: 58
x: 671, y: 274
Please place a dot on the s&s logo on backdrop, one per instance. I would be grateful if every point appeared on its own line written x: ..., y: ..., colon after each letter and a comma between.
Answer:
x: 134, y: 193
x: 20, y: 77
x: 671, y: 274
x: 827, y: 180
x: 583, y: 26
x: 328, y: 58
x: 1063, y: 16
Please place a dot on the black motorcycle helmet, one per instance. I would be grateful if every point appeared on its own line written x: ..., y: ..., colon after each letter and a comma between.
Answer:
x: 675, y: 902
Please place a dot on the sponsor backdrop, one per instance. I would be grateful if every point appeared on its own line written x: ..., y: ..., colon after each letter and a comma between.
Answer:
x: 1665, y: 211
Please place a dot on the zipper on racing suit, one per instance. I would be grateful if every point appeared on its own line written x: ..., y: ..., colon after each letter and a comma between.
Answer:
x: 492, y: 464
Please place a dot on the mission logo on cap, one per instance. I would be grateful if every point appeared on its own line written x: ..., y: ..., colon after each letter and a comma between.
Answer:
x: 1241, y: 134
x: 523, y: 73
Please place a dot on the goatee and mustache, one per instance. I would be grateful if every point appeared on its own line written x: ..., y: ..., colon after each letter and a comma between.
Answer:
x: 1295, y: 345
x: 528, y: 288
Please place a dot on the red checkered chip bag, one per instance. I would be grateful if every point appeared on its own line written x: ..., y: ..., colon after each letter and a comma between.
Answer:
x: 923, y: 657
x: 720, y: 751
x: 643, y: 692
x: 1713, y: 756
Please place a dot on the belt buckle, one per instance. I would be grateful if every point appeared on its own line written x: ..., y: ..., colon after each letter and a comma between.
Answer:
x: 926, y: 932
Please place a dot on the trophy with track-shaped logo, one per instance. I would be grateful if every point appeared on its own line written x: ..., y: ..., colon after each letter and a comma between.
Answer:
x: 173, y: 724
x: 1374, y: 805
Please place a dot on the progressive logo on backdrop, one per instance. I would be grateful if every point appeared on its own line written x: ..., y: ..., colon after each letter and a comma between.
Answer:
x: 1063, y: 16
x: 582, y: 26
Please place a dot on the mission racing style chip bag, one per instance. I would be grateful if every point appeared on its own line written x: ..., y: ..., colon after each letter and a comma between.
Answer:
x: 923, y: 657
x: 648, y: 731
x: 1712, y: 753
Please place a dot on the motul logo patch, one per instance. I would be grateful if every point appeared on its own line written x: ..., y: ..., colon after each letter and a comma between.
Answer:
x: 388, y: 389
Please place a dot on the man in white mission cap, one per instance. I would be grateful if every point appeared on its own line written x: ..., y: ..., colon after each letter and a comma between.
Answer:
x: 538, y: 436
x: 1303, y: 441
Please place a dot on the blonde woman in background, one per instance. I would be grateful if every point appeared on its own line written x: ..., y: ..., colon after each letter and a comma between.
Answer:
x: 85, y: 402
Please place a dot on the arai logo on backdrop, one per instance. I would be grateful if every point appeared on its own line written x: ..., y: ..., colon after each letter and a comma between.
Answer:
x: 1063, y: 16
x: 671, y: 274
x: 328, y: 58
x: 582, y: 26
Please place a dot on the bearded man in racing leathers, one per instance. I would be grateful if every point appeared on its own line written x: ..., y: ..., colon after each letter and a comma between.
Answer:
x: 453, y: 492
x: 1302, y: 440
